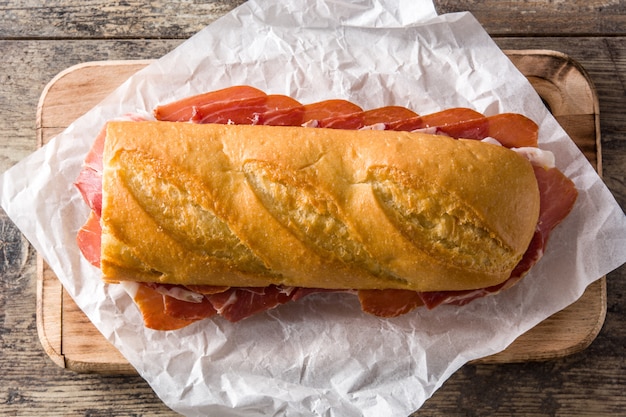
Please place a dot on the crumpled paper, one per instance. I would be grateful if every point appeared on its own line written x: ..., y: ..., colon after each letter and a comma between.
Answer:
x: 321, y: 355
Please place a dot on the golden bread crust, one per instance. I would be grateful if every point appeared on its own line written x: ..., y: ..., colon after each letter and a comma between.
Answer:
x: 308, y: 207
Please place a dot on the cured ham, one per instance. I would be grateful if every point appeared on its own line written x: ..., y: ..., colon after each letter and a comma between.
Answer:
x: 166, y: 307
x: 236, y: 105
x: 151, y: 304
x: 436, y: 120
x: 239, y: 303
x: 89, y: 181
x: 387, y: 115
x: 281, y: 111
x: 211, y: 102
x: 184, y: 310
x: 513, y: 130
x: 389, y: 303
x: 354, y: 120
x: 88, y: 239
x: 327, y: 110
x: 275, y: 110
x: 239, y: 112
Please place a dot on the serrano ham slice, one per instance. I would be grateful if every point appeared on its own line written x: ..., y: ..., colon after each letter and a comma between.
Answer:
x: 239, y: 112
x: 328, y: 110
x: 164, y: 310
x: 89, y: 181
x: 384, y: 116
x: 387, y: 115
x: 275, y: 110
x: 389, y: 303
x: 151, y: 304
x: 436, y: 120
x: 212, y: 102
x: 281, y: 111
x: 88, y: 239
x: 184, y: 310
x: 239, y: 303
x: 513, y: 130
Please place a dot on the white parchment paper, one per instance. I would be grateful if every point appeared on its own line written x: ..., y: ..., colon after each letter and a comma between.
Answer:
x: 322, y: 355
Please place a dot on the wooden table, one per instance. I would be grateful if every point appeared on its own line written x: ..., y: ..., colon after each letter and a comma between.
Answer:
x: 38, y: 42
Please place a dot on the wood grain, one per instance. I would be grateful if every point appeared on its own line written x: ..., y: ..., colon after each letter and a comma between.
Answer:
x: 97, y: 19
x: 28, y: 66
x: 543, y: 18
x: 36, y: 46
x: 559, y: 80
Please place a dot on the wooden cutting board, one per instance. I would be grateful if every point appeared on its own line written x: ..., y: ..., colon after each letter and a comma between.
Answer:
x: 70, y: 339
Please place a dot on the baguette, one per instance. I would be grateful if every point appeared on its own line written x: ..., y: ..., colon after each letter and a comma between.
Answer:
x: 253, y: 206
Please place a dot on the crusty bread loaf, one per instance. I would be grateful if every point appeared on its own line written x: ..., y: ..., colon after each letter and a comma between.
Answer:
x: 250, y: 206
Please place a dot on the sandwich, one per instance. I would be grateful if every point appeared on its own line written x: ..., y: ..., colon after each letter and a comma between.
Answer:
x: 234, y: 202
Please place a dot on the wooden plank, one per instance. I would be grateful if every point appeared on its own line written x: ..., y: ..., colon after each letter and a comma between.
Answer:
x: 50, y: 312
x: 563, y: 85
x: 94, y: 80
x: 26, y: 68
x: 84, y: 349
x: 104, y: 19
x: 549, y: 18
x: 179, y: 20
